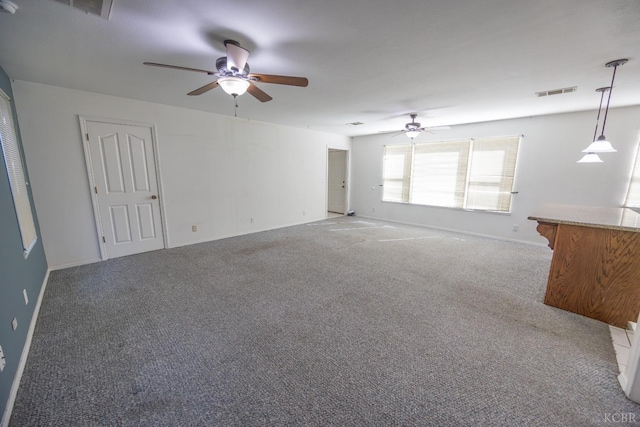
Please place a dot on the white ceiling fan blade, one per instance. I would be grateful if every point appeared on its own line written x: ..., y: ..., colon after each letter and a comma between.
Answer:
x: 436, y: 128
x: 236, y: 56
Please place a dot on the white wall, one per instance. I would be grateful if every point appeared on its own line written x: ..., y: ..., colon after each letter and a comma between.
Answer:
x: 216, y: 171
x: 547, y: 172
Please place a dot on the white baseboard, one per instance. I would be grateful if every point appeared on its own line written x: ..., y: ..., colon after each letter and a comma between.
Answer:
x: 453, y: 230
x: 75, y: 264
x: 622, y: 379
x: 23, y: 358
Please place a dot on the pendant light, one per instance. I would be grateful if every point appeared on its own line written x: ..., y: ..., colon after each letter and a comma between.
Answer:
x: 602, y: 145
x: 591, y: 156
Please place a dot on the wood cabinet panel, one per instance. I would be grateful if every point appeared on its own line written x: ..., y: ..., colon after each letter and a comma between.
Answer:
x: 595, y: 272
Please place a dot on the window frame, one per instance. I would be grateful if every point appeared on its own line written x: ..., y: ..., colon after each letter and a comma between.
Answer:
x: 633, y: 189
x: 16, y: 173
x: 509, y: 145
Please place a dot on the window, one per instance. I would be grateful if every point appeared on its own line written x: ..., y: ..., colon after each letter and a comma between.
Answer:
x: 440, y: 173
x: 493, y: 166
x: 474, y: 174
x: 15, y: 172
x: 633, y: 194
x: 397, y: 171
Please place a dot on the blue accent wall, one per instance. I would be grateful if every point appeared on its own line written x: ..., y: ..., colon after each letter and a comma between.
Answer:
x: 16, y: 272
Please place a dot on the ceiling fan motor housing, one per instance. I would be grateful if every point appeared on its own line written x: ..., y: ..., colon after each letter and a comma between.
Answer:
x: 221, y: 66
x: 413, y: 125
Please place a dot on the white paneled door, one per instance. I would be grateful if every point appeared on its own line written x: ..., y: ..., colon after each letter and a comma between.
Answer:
x: 337, y: 181
x: 124, y: 173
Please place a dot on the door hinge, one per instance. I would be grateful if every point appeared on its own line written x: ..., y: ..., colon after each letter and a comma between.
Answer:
x: 96, y: 189
x: 104, y: 240
x: 87, y: 135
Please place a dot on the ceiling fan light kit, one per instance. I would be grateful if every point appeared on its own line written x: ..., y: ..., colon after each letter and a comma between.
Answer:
x: 234, y: 86
x: 601, y: 144
x: 234, y: 76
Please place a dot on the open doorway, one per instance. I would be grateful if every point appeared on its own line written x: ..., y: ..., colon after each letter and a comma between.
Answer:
x: 337, y: 183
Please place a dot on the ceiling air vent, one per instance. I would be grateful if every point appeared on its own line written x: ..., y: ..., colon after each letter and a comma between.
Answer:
x: 355, y: 124
x: 557, y: 91
x: 101, y: 8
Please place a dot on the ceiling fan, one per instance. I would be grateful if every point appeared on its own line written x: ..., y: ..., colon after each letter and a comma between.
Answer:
x: 413, y: 129
x: 234, y: 76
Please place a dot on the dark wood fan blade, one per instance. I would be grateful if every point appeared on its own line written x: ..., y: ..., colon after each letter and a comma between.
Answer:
x: 258, y: 93
x: 204, y: 89
x: 176, y: 67
x: 280, y: 80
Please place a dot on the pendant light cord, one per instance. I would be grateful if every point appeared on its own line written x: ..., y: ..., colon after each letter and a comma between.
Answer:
x: 606, y: 111
x: 595, y: 132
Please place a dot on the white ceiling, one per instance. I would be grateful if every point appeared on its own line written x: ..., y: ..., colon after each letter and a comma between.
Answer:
x: 370, y: 61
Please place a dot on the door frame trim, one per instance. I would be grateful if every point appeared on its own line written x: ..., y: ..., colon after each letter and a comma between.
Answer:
x: 91, y: 180
x: 346, y: 180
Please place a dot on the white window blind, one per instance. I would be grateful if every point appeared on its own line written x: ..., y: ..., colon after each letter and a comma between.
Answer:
x: 491, y: 172
x: 15, y: 172
x: 465, y: 174
x: 440, y: 173
x: 396, y: 173
x: 633, y: 193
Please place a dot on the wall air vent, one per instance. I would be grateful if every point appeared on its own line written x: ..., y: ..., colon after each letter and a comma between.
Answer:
x: 557, y: 91
x: 101, y: 8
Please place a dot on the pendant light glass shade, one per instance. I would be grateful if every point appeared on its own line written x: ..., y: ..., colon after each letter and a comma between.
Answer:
x: 590, y: 158
x: 600, y: 145
x: 233, y: 85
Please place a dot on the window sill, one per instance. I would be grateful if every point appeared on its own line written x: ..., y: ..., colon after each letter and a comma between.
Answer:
x: 450, y: 208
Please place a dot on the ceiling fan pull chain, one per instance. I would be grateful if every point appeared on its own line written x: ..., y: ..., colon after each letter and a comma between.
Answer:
x: 235, y: 101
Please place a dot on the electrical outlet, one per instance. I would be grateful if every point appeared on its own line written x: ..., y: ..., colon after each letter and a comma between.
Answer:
x: 251, y: 220
x: 3, y: 361
x: 14, y: 324
x: 373, y: 209
x: 515, y: 227
x: 26, y: 298
x: 304, y: 213
x: 194, y: 228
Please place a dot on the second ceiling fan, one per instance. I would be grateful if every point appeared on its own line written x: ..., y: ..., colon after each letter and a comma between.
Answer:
x: 414, y: 129
x: 234, y: 76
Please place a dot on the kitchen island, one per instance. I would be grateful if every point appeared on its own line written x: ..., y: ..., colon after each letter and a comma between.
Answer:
x: 595, y: 268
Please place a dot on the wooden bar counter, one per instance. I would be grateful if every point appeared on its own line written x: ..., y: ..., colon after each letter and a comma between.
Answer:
x: 595, y: 269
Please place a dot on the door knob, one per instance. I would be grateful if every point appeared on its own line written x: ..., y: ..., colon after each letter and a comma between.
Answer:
x: 154, y: 197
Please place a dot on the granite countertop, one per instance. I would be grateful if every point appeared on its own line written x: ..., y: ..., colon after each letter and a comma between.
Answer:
x: 598, y: 217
